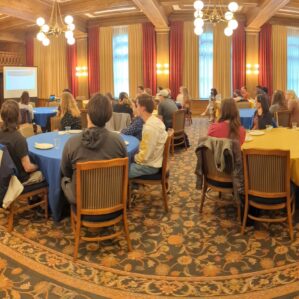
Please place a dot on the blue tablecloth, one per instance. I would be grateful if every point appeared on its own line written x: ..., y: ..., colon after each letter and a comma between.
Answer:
x: 246, y: 116
x: 41, y: 115
x: 49, y: 163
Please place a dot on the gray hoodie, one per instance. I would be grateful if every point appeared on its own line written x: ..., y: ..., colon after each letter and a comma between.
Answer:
x: 92, y: 144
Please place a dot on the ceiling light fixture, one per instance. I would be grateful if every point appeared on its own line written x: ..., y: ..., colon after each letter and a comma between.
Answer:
x: 214, y: 14
x: 56, y: 26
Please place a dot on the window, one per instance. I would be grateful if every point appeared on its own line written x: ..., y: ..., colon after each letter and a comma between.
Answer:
x: 293, y: 60
x: 205, y: 63
x: 120, y: 60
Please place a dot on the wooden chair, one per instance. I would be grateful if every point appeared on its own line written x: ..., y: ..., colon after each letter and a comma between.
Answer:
x: 160, y: 178
x: 53, y: 104
x: 101, y: 198
x: 268, y: 185
x: 54, y: 123
x: 188, y: 114
x: 243, y: 105
x: 83, y: 118
x: 27, y: 130
x: 217, y: 181
x: 178, y: 124
x: 283, y: 118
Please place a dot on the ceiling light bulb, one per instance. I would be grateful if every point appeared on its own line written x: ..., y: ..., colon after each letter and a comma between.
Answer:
x: 40, y: 36
x: 198, y: 30
x: 71, y: 41
x: 69, y: 34
x: 233, y: 6
x: 233, y: 24
x: 198, y: 5
x: 228, y: 15
x: 71, y: 27
x: 45, y: 28
x: 198, y: 14
x: 228, y: 31
x: 46, y: 42
x: 68, y: 19
x: 40, y: 21
x: 198, y: 22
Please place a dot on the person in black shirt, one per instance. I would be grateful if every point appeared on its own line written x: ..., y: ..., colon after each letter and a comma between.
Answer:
x: 14, y: 141
x: 124, y: 105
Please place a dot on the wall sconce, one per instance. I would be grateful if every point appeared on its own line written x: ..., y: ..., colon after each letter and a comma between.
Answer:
x: 162, y: 69
x: 252, y: 69
x: 81, y: 71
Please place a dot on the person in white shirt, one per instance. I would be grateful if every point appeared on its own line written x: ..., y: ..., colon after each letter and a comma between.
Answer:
x: 24, y: 104
x: 150, y: 156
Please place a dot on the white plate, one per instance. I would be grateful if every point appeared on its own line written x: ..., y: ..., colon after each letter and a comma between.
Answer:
x: 248, y: 138
x: 256, y: 133
x: 74, y: 131
x: 43, y: 146
x: 126, y: 142
x: 116, y: 132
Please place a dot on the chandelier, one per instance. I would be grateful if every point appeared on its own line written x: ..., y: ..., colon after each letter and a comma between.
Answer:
x: 214, y: 14
x: 56, y: 26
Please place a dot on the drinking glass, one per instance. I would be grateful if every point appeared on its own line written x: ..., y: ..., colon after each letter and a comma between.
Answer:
x: 294, y: 125
x: 68, y: 128
x: 56, y: 143
x: 269, y: 127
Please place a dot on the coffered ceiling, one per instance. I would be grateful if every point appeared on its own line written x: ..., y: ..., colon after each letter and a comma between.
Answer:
x: 17, y: 17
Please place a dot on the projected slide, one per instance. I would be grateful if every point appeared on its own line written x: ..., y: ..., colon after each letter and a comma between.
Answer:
x: 19, y: 79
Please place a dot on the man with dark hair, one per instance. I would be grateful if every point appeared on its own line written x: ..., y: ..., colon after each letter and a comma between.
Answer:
x: 166, y: 108
x: 150, y: 156
x: 94, y: 143
x: 15, y: 142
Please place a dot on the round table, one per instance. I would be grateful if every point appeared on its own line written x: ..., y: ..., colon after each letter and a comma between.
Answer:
x: 279, y: 139
x: 42, y: 114
x: 49, y: 163
x: 246, y: 117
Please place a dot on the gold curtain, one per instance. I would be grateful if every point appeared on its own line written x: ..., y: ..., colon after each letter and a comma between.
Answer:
x: 222, y: 61
x: 279, y: 46
x: 82, y: 61
x: 51, y: 63
x: 106, y: 60
x: 135, y: 58
x: 191, y: 60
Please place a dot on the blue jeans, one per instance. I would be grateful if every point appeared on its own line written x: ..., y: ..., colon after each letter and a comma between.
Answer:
x: 137, y: 170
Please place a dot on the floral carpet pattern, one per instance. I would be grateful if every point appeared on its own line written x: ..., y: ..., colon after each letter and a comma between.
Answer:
x: 178, y: 254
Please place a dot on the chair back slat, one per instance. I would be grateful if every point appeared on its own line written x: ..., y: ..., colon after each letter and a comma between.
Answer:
x: 83, y: 118
x: 101, y: 184
x: 166, y: 152
x: 283, y: 118
x: 55, y: 123
x: 209, y: 168
x: 267, y: 172
x: 178, y: 121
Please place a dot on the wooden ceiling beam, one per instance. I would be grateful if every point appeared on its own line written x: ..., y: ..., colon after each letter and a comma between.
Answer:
x: 77, y: 7
x: 28, y: 10
x: 154, y: 12
x: 260, y: 15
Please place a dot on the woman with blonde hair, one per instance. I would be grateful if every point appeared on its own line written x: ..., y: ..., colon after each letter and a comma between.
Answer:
x: 293, y: 105
x: 124, y: 104
x: 69, y: 112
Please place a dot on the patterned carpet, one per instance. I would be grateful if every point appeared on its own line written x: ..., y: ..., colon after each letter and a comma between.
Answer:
x: 179, y: 254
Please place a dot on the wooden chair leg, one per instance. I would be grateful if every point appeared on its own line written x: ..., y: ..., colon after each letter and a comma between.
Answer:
x: 185, y: 142
x: 203, y: 196
x: 289, y: 219
x: 172, y: 146
x: 244, y: 217
x: 46, y: 206
x: 10, y: 220
x: 164, y: 194
x: 127, y: 234
x: 129, y: 195
x: 77, y: 239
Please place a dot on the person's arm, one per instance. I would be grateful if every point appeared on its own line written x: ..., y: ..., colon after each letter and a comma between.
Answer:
x: 66, y: 164
x: 28, y: 166
x: 146, y: 146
